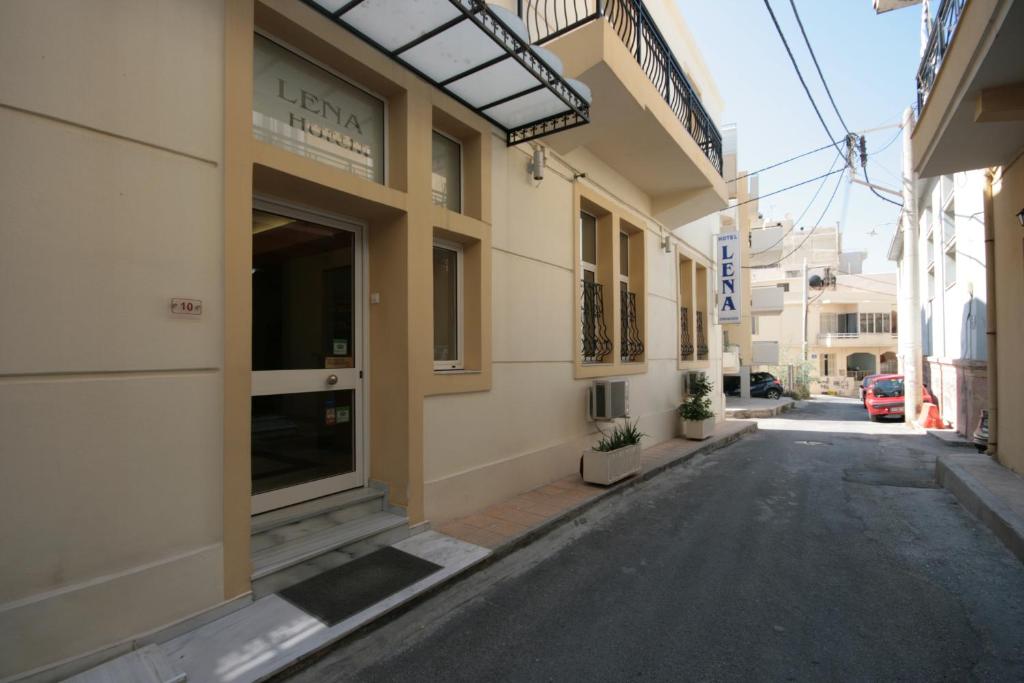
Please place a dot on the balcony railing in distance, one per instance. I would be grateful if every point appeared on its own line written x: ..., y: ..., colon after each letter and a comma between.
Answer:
x: 947, y: 17
x: 595, y: 343
x: 549, y: 19
x: 632, y: 340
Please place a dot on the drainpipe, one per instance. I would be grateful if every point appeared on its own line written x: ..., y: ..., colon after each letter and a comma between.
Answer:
x: 912, y: 346
x: 990, y: 331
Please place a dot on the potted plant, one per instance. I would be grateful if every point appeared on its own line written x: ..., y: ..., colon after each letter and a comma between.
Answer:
x: 696, y: 419
x: 615, y: 457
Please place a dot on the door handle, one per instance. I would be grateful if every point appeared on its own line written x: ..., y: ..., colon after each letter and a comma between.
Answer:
x: 332, y: 380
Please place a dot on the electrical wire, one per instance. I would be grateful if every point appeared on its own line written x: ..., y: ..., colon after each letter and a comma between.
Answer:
x: 866, y: 277
x: 802, y: 213
x: 864, y: 167
x: 762, y: 196
x: 814, y: 58
x: 888, y: 144
x: 796, y: 67
x: 808, y: 236
x: 799, y: 156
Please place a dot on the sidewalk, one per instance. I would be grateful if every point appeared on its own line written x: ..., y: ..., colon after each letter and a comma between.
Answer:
x: 507, y: 525
x: 989, y: 491
x: 270, y: 635
x: 744, y: 408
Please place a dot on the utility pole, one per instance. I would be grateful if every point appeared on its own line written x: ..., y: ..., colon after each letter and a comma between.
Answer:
x: 803, y: 346
x: 910, y: 332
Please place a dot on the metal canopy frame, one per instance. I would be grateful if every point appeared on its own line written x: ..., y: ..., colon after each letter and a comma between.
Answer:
x: 577, y: 112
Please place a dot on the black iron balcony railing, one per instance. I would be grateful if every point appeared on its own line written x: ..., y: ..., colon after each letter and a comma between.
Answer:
x: 549, y: 19
x: 702, y: 339
x: 632, y: 340
x: 942, y: 29
x: 595, y: 341
x: 685, y: 340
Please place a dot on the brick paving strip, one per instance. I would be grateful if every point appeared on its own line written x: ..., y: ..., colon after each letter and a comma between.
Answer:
x: 512, y: 523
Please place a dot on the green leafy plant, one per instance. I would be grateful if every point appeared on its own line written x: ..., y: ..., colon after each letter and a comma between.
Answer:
x: 623, y: 435
x: 697, y: 405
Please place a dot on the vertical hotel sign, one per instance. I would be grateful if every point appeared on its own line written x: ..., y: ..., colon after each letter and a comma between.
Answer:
x: 309, y: 111
x: 729, y: 269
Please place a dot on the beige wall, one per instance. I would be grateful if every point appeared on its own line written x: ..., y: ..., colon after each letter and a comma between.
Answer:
x: 531, y: 427
x: 1008, y: 200
x: 110, y: 408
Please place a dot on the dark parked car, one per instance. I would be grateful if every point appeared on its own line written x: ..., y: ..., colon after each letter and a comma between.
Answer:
x: 762, y: 385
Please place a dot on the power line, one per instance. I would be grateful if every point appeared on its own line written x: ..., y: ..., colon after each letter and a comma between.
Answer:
x: 808, y: 236
x: 866, y: 277
x: 802, y: 213
x: 807, y: 90
x: 762, y: 196
x: 889, y: 144
x: 799, y: 156
x: 817, y: 66
x: 864, y: 167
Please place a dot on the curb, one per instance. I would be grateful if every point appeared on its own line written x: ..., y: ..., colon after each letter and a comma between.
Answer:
x: 747, y: 413
x: 982, y: 503
x: 502, y: 551
x: 616, y: 489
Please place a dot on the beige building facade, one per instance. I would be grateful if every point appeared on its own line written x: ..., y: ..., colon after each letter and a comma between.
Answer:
x: 253, y: 262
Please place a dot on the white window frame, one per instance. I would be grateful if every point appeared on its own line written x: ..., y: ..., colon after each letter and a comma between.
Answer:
x: 462, y: 170
x: 586, y: 266
x: 457, y: 363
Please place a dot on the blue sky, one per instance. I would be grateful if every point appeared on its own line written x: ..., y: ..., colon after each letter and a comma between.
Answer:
x: 869, y: 62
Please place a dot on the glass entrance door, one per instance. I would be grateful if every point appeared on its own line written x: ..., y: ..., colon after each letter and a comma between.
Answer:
x: 306, y: 357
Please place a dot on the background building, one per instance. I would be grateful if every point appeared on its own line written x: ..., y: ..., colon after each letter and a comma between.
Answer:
x: 851, y: 317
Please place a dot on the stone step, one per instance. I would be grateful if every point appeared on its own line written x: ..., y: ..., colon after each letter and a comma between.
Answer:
x: 311, y: 543
x: 362, y: 501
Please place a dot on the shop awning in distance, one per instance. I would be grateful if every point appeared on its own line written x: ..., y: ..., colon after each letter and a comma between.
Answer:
x: 480, y: 54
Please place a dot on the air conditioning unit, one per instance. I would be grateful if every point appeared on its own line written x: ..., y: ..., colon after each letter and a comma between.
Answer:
x: 609, y: 399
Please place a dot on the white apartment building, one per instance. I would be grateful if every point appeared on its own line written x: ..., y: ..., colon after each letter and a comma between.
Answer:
x: 951, y: 265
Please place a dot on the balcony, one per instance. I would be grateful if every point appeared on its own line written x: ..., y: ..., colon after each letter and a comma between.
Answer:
x: 857, y: 339
x: 767, y: 300
x: 647, y: 120
x: 970, y: 88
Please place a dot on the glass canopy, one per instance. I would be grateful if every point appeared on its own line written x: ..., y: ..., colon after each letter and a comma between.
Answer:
x: 480, y: 54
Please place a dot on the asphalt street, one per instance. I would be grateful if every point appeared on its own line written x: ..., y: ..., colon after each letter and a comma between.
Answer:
x: 819, y: 548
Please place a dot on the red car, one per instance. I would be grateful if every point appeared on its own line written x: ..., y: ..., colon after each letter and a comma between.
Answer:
x: 884, y: 397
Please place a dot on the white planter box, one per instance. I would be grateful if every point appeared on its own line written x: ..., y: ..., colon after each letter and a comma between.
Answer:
x: 698, y: 430
x: 600, y: 467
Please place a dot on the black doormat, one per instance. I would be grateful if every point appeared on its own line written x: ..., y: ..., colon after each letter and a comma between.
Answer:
x: 343, y: 591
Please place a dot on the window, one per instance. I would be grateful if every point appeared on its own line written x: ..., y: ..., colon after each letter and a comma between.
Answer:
x: 446, y: 179
x: 828, y: 364
x: 596, y: 343
x: 931, y: 281
x: 631, y: 345
x: 948, y: 209
x: 784, y: 286
x: 867, y: 323
x: 828, y: 324
x: 949, y: 268
x: 448, y: 311
x: 755, y: 328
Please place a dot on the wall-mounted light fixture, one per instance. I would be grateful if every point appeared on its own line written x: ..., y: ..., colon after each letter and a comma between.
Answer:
x: 536, y: 165
x: 666, y: 244
x: 1020, y: 217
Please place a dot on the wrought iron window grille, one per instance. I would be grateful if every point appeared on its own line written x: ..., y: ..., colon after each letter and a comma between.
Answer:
x: 549, y: 19
x: 685, y: 340
x: 943, y: 28
x: 702, y: 340
x: 596, y: 344
x: 632, y: 341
